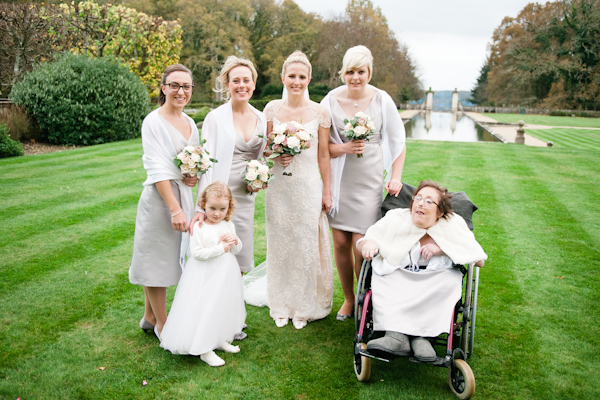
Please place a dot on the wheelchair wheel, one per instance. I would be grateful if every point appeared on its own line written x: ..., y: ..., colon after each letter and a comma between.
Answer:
x: 362, y: 364
x: 461, y: 379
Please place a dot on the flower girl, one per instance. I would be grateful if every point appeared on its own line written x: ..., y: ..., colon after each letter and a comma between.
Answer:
x: 208, y: 309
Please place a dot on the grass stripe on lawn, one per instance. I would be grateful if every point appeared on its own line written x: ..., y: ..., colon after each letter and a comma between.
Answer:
x: 546, y: 120
x: 569, y: 138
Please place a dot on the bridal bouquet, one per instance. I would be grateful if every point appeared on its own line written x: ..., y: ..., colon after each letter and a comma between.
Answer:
x: 288, y: 138
x: 257, y: 174
x: 359, y: 127
x: 194, y: 160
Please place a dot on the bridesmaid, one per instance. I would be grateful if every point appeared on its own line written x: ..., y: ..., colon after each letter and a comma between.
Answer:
x: 233, y: 134
x: 356, y: 183
x: 166, y: 202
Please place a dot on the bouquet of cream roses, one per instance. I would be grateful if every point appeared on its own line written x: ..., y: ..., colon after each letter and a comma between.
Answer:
x: 359, y: 127
x: 288, y: 138
x: 257, y: 174
x: 194, y: 160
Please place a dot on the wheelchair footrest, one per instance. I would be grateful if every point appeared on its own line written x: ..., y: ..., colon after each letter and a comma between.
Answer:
x: 367, y: 354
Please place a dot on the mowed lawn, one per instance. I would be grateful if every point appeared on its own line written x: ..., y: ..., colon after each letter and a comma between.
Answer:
x: 68, y: 319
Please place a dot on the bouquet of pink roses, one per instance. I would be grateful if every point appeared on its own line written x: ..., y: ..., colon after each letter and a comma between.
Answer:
x: 194, y: 160
x: 257, y: 174
x: 288, y: 138
x: 359, y: 127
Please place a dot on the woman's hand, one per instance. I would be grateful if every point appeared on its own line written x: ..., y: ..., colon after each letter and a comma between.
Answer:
x: 355, y: 147
x: 198, y: 217
x: 252, y: 190
x: 284, y: 160
x: 369, y: 249
x: 393, y: 187
x: 480, y: 263
x: 190, y: 180
x: 430, y: 250
x: 326, y: 202
x: 179, y: 221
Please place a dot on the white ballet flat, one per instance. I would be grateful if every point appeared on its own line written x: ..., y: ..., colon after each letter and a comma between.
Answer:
x: 156, y: 333
x: 229, y: 348
x: 212, y: 359
x: 299, y: 323
x: 281, y: 322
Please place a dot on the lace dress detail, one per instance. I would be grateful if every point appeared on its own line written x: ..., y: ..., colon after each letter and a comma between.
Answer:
x: 299, y: 266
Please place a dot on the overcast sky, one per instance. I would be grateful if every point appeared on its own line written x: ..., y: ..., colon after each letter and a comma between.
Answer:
x: 446, y: 39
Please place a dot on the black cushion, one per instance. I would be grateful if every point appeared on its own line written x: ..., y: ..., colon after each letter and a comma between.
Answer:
x: 461, y: 204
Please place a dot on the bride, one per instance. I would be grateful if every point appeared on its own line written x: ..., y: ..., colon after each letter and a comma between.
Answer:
x: 299, y: 266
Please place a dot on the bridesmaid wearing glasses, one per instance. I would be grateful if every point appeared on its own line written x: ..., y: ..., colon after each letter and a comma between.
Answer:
x: 166, y: 202
x: 357, y: 183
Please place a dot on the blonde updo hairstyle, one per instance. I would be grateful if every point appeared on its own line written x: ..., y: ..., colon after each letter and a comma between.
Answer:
x: 356, y: 57
x: 223, y: 78
x: 218, y: 189
x: 297, y: 57
x: 168, y: 71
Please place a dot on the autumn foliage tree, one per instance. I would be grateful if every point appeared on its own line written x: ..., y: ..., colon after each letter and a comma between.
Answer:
x: 547, y: 56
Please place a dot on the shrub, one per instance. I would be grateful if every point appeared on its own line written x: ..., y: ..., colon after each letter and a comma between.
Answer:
x: 201, y: 114
x: 20, y: 125
x: 83, y: 101
x: 9, y: 147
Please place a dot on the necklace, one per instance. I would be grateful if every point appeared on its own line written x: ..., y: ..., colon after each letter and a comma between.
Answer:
x: 355, y: 104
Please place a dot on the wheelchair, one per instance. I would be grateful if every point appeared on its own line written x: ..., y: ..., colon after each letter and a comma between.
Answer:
x: 460, y: 339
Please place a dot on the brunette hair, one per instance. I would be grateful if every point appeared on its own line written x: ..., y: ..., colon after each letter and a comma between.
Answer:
x: 356, y: 57
x: 171, y: 68
x: 444, y: 205
x: 218, y: 189
x: 297, y: 57
x: 223, y: 78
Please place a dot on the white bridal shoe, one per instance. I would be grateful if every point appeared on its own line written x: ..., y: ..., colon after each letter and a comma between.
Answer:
x: 299, y: 323
x: 212, y: 359
x: 229, y: 348
x: 281, y: 322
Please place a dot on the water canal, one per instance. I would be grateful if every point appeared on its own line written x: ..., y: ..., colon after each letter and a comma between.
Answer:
x: 445, y: 126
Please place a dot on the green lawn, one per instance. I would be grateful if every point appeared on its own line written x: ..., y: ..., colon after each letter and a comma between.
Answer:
x: 531, y: 119
x: 68, y: 325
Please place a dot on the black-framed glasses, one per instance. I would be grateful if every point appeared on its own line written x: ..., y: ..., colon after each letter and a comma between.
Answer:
x: 175, y: 87
x: 428, y: 202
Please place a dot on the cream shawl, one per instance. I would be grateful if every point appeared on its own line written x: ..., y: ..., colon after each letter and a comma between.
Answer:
x: 219, y: 133
x: 158, y: 160
x: 393, y: 138
x: 395, y: 234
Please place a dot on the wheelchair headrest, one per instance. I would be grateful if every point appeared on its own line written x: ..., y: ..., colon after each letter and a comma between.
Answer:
x: 461, y: 204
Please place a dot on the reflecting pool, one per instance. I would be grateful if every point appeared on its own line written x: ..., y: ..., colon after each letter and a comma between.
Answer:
x: 452, y: 127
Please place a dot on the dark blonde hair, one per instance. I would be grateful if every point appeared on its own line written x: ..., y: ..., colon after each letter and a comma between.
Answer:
x: 223, y: 78
x: 444, y: 205
x: 218, y: 189
x: 356, y: 57
x: 170, y: 69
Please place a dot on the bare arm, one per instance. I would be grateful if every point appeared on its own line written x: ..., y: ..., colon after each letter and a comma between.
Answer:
x: 178, y: 219
x: 325, y: 166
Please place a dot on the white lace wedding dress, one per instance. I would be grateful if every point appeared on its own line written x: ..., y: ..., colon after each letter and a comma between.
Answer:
x: 299, y: 267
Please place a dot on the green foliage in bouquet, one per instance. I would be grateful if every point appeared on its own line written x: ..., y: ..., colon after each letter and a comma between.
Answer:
x: 84, y: 101
x: 9, y: 147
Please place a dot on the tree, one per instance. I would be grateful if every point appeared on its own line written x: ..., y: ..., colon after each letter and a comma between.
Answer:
x: 479, y: 93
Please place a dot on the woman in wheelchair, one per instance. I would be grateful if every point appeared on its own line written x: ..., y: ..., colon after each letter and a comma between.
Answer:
x: 414, y: 284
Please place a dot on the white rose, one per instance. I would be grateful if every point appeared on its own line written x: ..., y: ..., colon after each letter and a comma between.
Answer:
x: 263, y: 169
x: 251, y: 174
x: 205, y: 164
x: 360, y: 130
x: 195, y: 157
x: 279, y: 139
x: 348, y: 127
x: 254, y: 163
x: 279, y: 129
x: 303, y: 135
x: 191, y: 162
x: 361, y: 114
x: 371, y: 124
x: 182, y: 156
x: 185, y: 168
x: 257, y: 184
x: 293, y: 142
x: 189, y: 149
x: 264, y: 177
